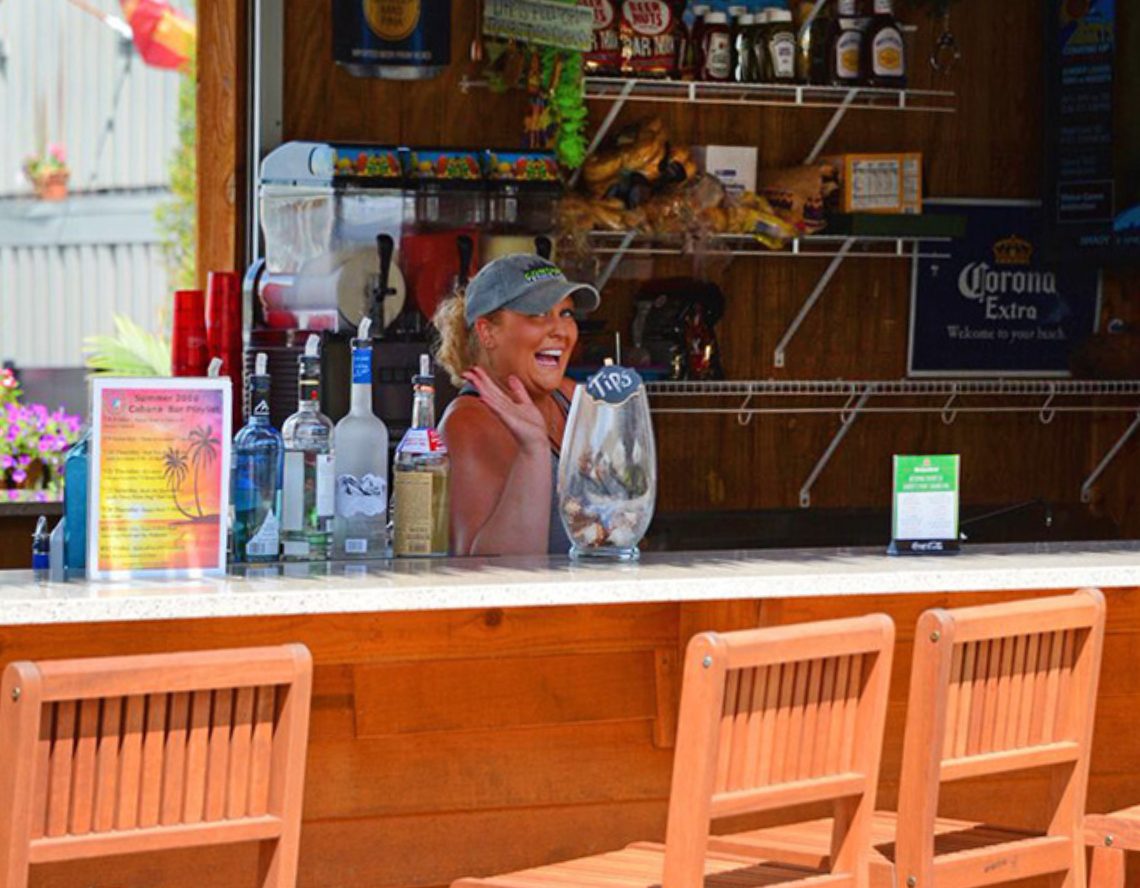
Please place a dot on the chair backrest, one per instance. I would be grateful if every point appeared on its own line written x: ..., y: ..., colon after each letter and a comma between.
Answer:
x: 774, y: 718
x: 125, y: 754
x: 996, y: 689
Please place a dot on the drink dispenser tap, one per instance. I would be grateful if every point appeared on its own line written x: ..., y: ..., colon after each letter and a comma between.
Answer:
x: 607, y: 474
x: 466, y: 248
x: 385, y: 247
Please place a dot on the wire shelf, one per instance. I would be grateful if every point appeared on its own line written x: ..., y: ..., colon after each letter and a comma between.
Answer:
x: 769, y: 95
x: 817, y: 246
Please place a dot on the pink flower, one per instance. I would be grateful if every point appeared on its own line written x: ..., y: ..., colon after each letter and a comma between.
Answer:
x: 6, y: 462
x: 58, y: 152
x: 19, y: 476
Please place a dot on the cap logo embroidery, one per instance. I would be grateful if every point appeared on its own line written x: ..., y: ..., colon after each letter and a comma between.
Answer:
x: 541, y: 273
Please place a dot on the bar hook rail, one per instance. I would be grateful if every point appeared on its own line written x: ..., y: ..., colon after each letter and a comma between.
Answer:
x: 845, y: 415
x: 1047, y: 415
x: 743, y: 415
x: 948, y: 415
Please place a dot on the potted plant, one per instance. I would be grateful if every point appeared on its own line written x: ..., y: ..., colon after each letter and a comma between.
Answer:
x: 48, y: 172
x: 33, y: 440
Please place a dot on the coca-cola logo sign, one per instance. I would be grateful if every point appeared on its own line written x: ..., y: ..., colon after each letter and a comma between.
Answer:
x: 603, y: 13
x: 648, y: 17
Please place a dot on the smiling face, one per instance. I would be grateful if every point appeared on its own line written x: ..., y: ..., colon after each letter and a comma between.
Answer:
x: 535, y: 348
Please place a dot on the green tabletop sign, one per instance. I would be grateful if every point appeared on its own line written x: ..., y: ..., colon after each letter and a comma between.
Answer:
x: 925, y: 504
x: 544, y: 22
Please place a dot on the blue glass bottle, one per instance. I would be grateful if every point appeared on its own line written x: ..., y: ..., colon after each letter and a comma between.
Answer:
x: 75, y: 507
x: 258, y: 455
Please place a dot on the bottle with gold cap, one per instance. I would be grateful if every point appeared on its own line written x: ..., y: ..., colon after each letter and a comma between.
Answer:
x: 420, y: 473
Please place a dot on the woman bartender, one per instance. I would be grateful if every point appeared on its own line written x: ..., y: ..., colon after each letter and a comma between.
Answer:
x: 509, y: 338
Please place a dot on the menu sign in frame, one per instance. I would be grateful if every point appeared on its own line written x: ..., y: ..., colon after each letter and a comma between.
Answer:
x: 158, y: 496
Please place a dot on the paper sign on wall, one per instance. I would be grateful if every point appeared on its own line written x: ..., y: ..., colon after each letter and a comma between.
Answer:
x: 545, y: 22
x: 159, y: 491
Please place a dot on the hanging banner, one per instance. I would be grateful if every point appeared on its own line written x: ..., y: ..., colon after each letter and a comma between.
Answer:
x: 159, y: 478
x: 544, y: 22
x: 994, y: 306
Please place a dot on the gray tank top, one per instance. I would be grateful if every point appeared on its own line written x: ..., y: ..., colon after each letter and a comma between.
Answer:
x: 558, y: 543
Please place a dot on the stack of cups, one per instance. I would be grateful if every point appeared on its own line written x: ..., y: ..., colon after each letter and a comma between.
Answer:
x: 188, y: 355
x: 223, y: 331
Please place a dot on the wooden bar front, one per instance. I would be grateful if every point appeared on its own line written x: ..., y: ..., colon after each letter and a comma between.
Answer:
x: 469, y: 742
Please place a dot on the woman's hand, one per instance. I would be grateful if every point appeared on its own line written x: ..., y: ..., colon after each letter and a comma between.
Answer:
x: 514, y: 407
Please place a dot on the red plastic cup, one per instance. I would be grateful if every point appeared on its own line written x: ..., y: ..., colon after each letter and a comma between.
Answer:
x: 188, y: 340
x: 224, y: 330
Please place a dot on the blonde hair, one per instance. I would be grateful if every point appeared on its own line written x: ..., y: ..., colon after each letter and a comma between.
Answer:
x: 457, y: 348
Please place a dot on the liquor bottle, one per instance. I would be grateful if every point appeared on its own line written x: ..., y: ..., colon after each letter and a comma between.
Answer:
x: 75, y: 507
x: 258, y: 457
x: 309, y: 485
x: 846, y: 49
x: 884, y: 58
x: 361, y: 527
x: 421, y: 477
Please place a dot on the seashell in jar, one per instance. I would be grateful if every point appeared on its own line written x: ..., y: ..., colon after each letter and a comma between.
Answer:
x: 592, y: 534
x: 572, y: 508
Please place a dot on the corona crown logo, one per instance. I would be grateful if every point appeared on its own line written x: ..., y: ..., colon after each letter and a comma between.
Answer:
x: 1013, y: 250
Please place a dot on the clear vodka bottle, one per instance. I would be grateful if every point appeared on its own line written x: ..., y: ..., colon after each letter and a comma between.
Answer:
x: 361, y: 528
x: 420, y: 477
x: 308, y: 486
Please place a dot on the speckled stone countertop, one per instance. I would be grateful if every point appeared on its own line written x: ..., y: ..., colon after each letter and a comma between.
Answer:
x: 535, y: 582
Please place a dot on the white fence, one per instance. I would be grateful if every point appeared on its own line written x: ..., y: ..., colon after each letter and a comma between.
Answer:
x: 59, y: 72
x: 66, y: 269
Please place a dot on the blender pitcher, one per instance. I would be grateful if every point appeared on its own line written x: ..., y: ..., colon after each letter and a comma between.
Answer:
x: 607, y: 475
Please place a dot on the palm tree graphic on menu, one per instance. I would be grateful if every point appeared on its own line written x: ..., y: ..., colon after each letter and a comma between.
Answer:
x: 203, y: 452
x: 175, y: 470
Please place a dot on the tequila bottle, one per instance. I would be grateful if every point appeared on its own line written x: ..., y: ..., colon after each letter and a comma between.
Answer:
x: 258, y: 457
x: 361, y: 528
x: 421, y: 477
x: 309, y: 483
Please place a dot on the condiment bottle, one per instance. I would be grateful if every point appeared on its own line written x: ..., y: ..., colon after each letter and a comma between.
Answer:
x: 716, y: 49
x: 780, y: 48
x: 744, y: 70
x: 813, y: 39
x: 884, y: 58
x: 846, y: 49
x: 734, y: 12
x: 697, y: 38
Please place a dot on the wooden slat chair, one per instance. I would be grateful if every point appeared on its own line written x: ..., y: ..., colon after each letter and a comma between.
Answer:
x: 994, y: 689
x: 1110, y: 835
x: 770, y: 719
x: 120, y: 755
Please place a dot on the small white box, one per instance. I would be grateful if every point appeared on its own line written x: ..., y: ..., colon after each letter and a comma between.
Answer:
x: 734, y: 165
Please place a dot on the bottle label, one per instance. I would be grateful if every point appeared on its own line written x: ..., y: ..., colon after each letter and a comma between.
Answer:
x: 414, y: 518
x: 295, y: 549
x: 356, y: 547
x: 309, y: 390
x: 261, y: 407
x: 267, y: 541
x: 326, y: 486
x: 718, y: 55
x: 847, y: 49
x: 884, y: 7
x: 848, y: 7
x: 362, y: 366
x: 782, y: 51
x: 293, y: 491
x: 422, y: 441
x: 356, y: 497
x: 887, y: 53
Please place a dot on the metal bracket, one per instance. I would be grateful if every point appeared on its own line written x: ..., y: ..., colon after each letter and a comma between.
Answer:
x: 1086, y: 488
x: 847, y: 419
x: 604, y: 127
x: 948, y: 415
x: 1047, y: 414
x: 615, y: 260
x: 836, y: 118
x: 813, y: 298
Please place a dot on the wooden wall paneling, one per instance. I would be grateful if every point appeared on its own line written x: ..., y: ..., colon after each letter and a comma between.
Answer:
x: 222, y: 134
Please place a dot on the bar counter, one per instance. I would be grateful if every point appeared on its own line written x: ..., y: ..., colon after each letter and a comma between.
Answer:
x: 481, y: 715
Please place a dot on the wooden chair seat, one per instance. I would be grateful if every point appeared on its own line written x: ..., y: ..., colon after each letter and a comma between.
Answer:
x: 815, y: 692
x: 807, y: 844
x: 1110, y: 835
x: 642, y: 865
x: 994, y: 690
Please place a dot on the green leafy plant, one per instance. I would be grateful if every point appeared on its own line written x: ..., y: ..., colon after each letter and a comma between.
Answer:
x: 132, y: 351
x: 53, y: 161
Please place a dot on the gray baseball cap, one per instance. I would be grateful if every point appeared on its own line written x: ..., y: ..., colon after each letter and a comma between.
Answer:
x: 526, y: 283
